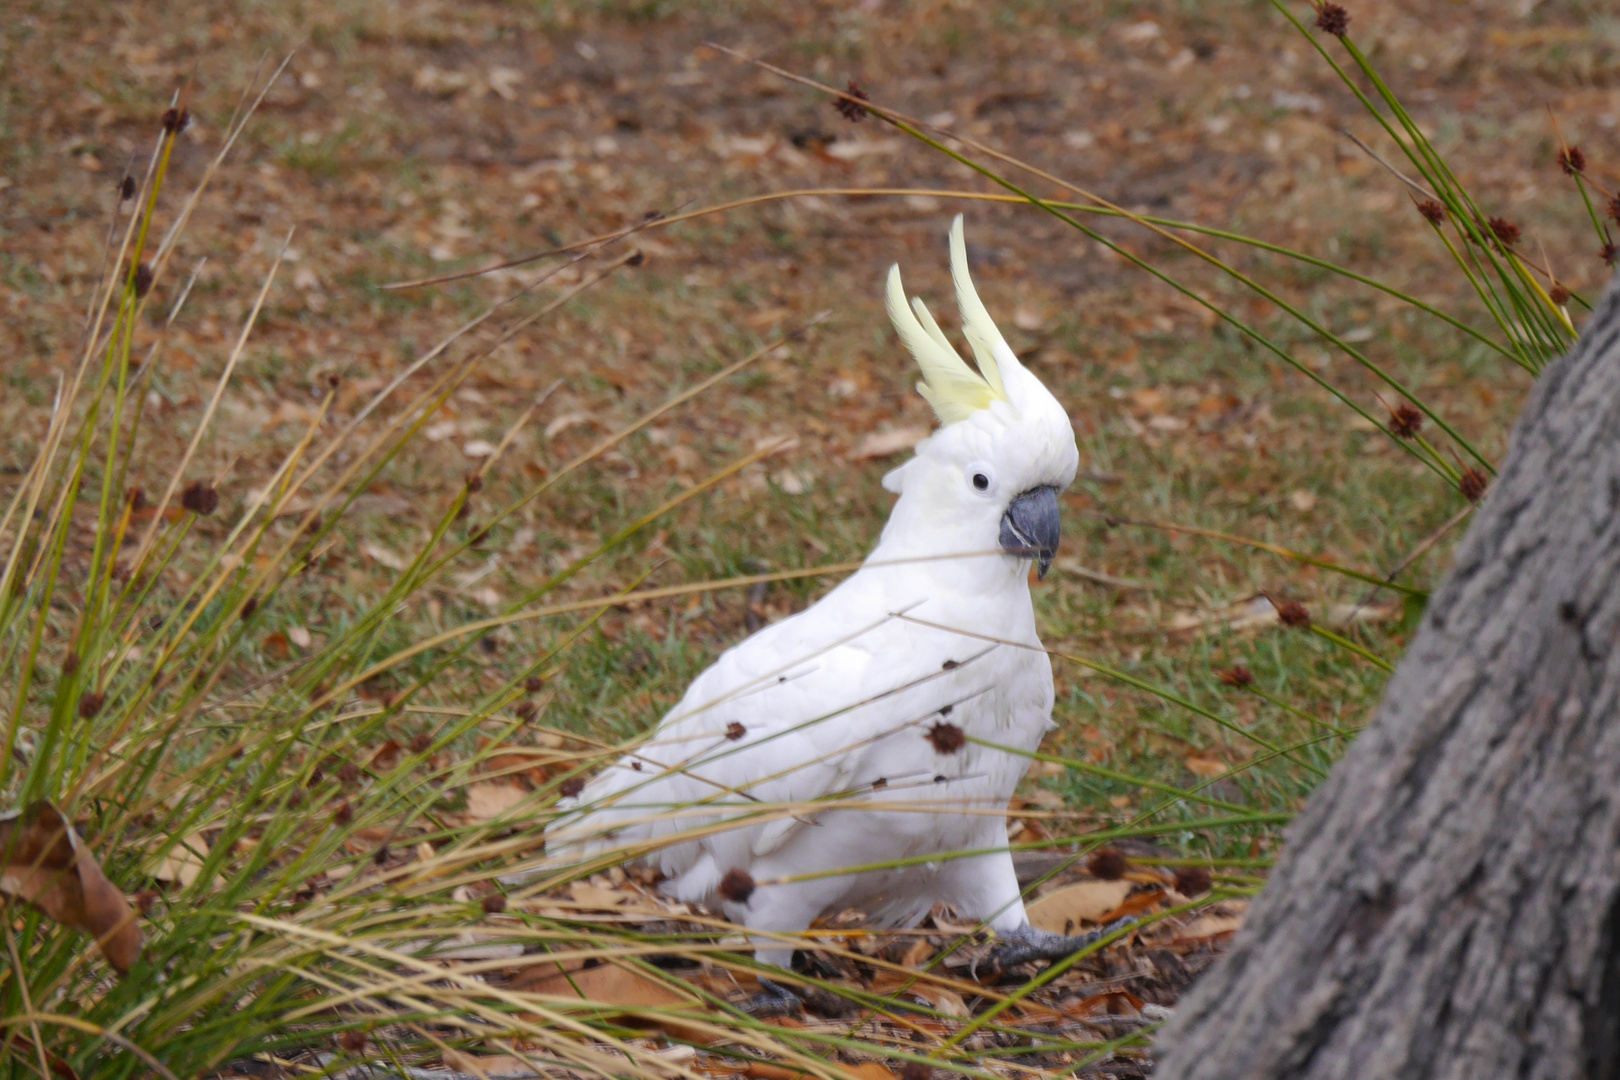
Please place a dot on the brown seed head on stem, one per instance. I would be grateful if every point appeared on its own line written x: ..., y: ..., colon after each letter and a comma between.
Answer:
x: 1192, y: 880
x: 1472, y: 483
x: 1571, y: 160
x: 850, y: 107
x: 1505, y: 231
x: 1432, y: 212
x: 737, y: 886
x: 1292, y: 613
x: 1237, y: 675
x: 200, y: 498
x: 1108, y: 864
x: 1405, y: 420
x: 1332, y: 19
x: 946, y: 737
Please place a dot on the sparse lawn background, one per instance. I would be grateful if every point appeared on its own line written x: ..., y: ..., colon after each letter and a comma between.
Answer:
x: 415, y: 139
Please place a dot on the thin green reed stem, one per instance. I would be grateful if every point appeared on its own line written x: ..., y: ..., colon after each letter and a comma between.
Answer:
x: 1598, y: 224
x: 894, y: 118
x: 1547, y: 335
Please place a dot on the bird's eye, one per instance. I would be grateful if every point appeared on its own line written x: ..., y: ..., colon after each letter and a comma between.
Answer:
x: 982, y: 477
x: 981, y: 481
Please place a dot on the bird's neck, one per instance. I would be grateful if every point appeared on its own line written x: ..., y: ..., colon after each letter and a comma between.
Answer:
x: 960, y: 556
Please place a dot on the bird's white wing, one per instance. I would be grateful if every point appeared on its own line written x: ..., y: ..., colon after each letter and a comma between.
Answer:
x: 795, y: 715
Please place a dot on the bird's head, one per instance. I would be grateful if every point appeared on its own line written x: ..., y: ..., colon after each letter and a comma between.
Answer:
x: 990, y: 475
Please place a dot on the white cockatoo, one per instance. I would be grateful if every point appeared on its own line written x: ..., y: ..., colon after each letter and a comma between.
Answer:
x: 849, y: 755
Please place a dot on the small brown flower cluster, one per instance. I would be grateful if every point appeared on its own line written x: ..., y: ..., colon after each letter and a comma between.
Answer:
x: 849, y: 106
x: 1432, y: 212
x: 1237, y: 675
x: 1405, y: 420
x: 1614, y: 208
x: 176, y: 120
x: 200, y: 499
x: 1609, y: 253
x: 946, y: 737
x: 1108, y: 864
x: 1504, y: 230
x: 1572, y: 160
x: 1193, y: 880
x: 1292, y: 613
x: 1472, y: 484
x: 737, y: 886
x: 1558, y: 295
x: 1332, y: 19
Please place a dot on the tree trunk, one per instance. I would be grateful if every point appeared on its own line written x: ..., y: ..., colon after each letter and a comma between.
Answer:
x: 1448, y: 903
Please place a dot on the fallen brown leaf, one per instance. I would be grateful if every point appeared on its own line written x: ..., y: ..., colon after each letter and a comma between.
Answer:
x: 1063, y: 910
x: 495, y: 1066
x: 1134, y: 905
x: 1109, y: 1003
x: 46, y: 865
x: 948, y: 1002
x: 597, y: 896
x: 1207, y: 767
x: 183, y: 863
x: 611, y: 984
x: 491, y: 798
x: 876, y: 1070
x: 1213, y: 922
x: 276, y: 646
x: 763, y: 1070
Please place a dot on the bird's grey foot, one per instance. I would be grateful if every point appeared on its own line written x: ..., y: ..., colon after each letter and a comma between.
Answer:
x: 774, y: 999
x: 1026, y: 943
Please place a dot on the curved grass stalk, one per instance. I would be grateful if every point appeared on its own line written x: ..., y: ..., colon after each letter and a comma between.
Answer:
x: 913, y: 128
x: 977, y: 196
x: 1467, y: 217
x: 1275, y: 549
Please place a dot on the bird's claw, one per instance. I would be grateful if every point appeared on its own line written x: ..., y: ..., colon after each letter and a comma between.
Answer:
x: 774, y: 999
x: 1026, y: 943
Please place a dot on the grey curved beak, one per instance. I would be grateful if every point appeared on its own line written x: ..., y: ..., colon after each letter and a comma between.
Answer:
x: 1030, y: 527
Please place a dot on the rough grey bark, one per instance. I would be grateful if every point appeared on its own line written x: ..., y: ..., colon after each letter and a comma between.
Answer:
x: 1448, y: 903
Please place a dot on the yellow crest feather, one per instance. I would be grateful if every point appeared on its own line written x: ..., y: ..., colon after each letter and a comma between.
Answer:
x: 953, y: 388
x: 977, y: 325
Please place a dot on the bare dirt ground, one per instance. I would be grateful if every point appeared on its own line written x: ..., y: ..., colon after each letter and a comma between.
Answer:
x: 408, y: 139
x: 417, y: 138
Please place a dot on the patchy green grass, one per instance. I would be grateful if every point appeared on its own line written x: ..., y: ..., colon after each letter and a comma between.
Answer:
x: 324, y: 692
